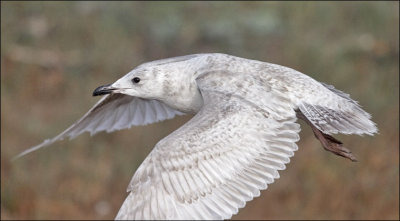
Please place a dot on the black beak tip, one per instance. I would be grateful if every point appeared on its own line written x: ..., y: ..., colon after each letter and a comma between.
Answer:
x: 102, y: 90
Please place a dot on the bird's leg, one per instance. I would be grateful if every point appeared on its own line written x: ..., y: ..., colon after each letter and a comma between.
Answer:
x: 328, y: 142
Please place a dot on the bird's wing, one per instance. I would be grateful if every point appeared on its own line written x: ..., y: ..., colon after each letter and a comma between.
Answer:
x: 114, y: 112
x: 208, y: 168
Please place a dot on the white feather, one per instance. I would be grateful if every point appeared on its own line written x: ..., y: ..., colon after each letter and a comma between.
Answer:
x: 243, y: 133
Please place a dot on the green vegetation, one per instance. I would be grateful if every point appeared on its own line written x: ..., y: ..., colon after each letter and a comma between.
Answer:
x: 53, y: 54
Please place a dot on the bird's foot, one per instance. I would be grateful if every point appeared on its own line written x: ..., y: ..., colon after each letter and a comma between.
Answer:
x: 329, y: 143
x: 333, y: 145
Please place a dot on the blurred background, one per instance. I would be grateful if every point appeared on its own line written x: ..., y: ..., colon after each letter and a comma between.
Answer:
x: 54, y: 54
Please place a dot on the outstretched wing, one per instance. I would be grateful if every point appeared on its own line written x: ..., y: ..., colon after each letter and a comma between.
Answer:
x: 208, y: 168
x: 114, y: 112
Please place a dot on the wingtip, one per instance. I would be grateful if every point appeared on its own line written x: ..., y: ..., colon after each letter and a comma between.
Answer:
x: 21, y: 155
x: 34, y: 148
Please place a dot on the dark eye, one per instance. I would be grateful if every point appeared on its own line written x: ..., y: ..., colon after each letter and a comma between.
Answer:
x: 136, y: 80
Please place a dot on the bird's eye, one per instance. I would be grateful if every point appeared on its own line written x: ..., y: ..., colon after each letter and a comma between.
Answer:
x: 136, y: 80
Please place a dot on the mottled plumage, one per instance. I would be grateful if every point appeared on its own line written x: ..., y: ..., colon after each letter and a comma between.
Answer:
x: 244, y: 130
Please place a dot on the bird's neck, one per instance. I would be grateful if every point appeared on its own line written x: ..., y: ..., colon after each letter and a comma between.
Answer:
x: 185, y: 98
x: 188, y: 102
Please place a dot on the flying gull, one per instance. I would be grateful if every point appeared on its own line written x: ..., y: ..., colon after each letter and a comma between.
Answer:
x: 244, y: 130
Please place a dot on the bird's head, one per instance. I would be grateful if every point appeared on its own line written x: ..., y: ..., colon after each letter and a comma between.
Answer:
x: 158, y: 80
x: 140, y: 82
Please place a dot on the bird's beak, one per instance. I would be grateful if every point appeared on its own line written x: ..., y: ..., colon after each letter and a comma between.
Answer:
x: 102, y: 90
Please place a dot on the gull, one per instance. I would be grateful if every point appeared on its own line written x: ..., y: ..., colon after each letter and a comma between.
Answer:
x: 243, y: 130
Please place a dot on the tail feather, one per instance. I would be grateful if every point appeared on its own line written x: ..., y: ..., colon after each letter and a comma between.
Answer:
x: 347, y: 118
x: 329, y: 121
